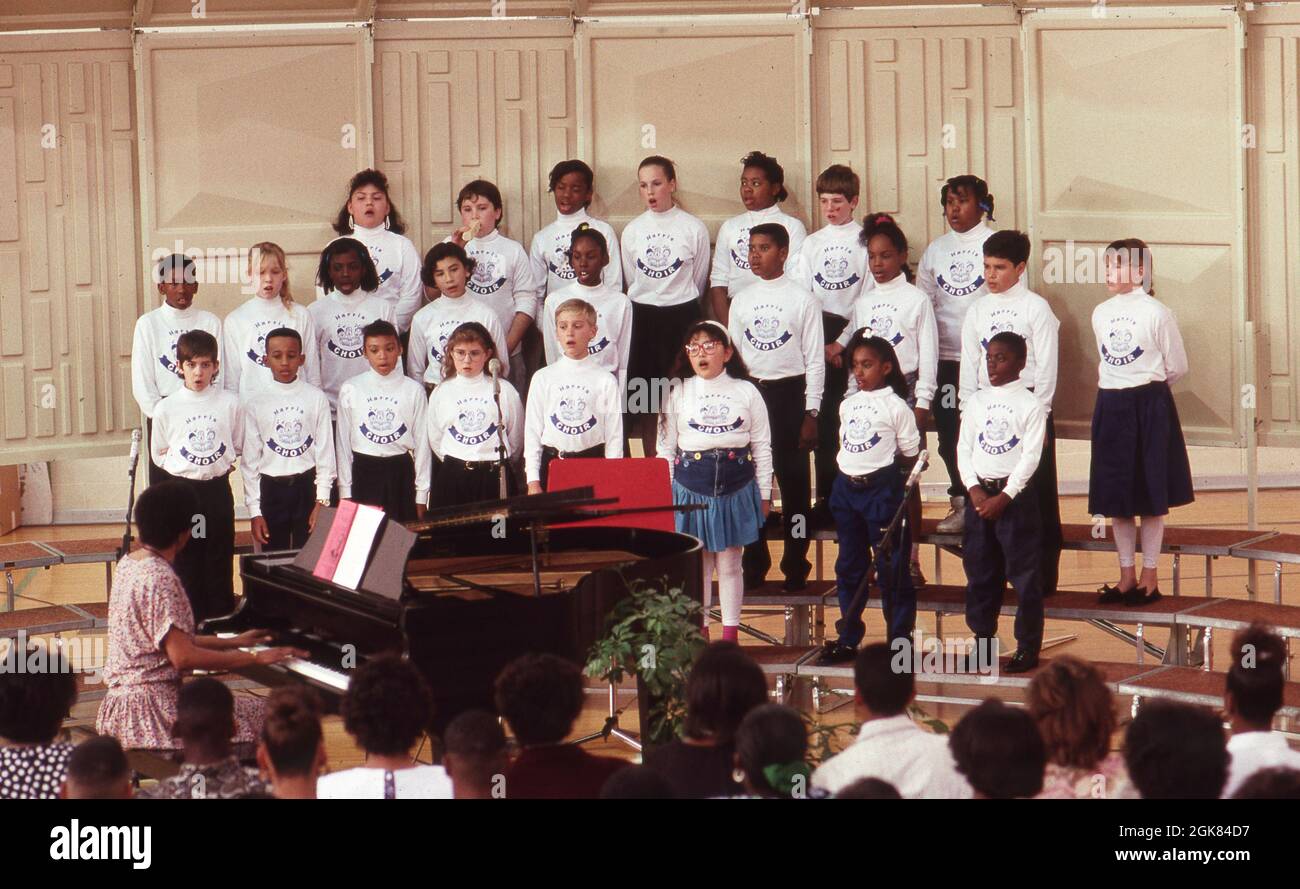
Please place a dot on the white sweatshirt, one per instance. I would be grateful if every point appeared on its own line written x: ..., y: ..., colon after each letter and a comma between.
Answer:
x: 398, y: 264
x: 1018, y: 310
x: 503, y: 278
x: 1002, y: 433
x: 1138, y: 341
x: 951, y: 273
x: 665, y: 257
x: 777, y: 327
x: 549, y: 253
x: 874, y: 426
x: 462, y: 419
x: 197, y: 435
x: 900, y: 313
x: 245, y: 332
x: 340, y: 348
x: 833, y: 264
x: 731, y: 257
x: 723, y: 412
x: 383, y: 416
x: 572, y: 406
x: 613, y: 341
x: 287, y: 431
x: 434, y: 324
x: 155, y: 373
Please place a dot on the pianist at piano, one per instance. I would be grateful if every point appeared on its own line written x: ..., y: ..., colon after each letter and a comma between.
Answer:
x: 152, y: 636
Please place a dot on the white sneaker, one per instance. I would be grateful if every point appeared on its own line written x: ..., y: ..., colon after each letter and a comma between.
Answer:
x: 955, y: 521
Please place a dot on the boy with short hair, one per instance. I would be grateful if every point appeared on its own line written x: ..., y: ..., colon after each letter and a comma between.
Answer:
x: 833, y: 264
x: 475, y: 755
x: 383, y: 451
x: 97, y: 769
x: 574, y: 409
x: 1012, y: 307
x: 1002, y: 432
x: 445, y: 273
x: 198, y: 433
x: 288, y: 463
x: 155, y: 373
x: 776, y: 326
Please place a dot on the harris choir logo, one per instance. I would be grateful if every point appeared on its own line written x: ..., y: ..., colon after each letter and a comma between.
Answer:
x: 1001, y: 321
x: 346, y: 340
x: 472, y: 426
x: 856, y: 436
x: 202, y: 448
x: 767, y: 331
x: 287, y: 439
x: 487, y: 277
x: 558, y: 262
x: 658, y: 258
x: 740, y: 250
x: 381, y: 424
x: 997, y: 437
x: 713, y: 419
x: 882, y: 323
x: 963, y: 276
x: 573, y: 416
x: 168, y: 360
x: 377, y: 257
x: 1119, y: 348
x: 836, y: 269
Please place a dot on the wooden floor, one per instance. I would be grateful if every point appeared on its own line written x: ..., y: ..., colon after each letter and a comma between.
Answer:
x: 1079, y: 571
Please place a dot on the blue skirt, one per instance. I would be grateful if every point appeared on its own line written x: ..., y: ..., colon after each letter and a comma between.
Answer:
x: 728, y: 520
x: 1139, y: 458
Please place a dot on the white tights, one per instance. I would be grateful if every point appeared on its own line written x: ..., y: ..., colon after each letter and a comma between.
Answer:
x: 1126, y: 534
x: 731, y: 584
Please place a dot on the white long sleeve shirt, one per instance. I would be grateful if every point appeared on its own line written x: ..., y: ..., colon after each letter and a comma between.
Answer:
x: 197, y: 435
x: 917, y: 762
x: 723, y: 412
x: 155, y: 373
x: 613, y: 341
x: 1002, y: 433
x: 1138, y: 342
x: 900, y: 313
x: 340, y: 347
x: 1018, y: 310
x: 503, y: 278
x: 833, y: 264
x: 398, y: 264
x: 572, y: 406
x: 434, y: 324
x: 874, y: 427
x: 383, y: 416
x: 951, y: 273
x: 665, y: 257
x: 462, y: 419
x: 549, y: 252
x: 730, y: 267
x: 287, y: 431
x: 245, y: 330
x: 777, y: 326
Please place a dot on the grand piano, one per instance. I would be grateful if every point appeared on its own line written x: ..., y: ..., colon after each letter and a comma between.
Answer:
x: 482, y: 585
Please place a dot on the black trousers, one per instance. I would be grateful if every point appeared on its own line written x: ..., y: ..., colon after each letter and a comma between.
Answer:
x: 287, y: 502
x: 1049, y: 511
x: 785, y: 412
x: 549, y: 453
x: 456, y: 482
x: 156, y: 473
x: 205, y: 564
x: 994, y: 553
x: 386, y: 482
x: 828, y: 421
x: 947, y: 422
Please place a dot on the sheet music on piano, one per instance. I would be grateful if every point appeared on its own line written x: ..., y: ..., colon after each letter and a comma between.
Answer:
x: 361, y: 536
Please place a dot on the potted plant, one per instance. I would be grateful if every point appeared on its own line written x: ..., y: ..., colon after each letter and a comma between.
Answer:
x: 654, y: 635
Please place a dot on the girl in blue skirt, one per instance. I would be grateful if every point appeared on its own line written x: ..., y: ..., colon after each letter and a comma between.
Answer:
x: 715, y: 436
x: 1139, y: 458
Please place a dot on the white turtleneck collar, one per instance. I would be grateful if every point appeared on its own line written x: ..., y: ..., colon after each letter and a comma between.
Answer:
x: 892, y: 284
x: 978, y: 232
x: 575, y: 217
x: 571, y: 363
x: 175, y: 314
x: 1015, y: 385
x: 1016, y: 290
x: 392, y: 379
x: 292, y: 387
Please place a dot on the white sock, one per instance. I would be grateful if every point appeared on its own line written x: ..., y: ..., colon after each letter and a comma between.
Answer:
x: 707, y: 559
x: 1126, y: 535
x: 731, y: 585
x: 1153, y: 533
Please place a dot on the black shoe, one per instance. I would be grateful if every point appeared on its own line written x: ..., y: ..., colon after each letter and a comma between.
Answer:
x: 820, y: 519
x: 1022, y: 661
x: 753, y: 583
x: 836, y: 653
x: 795, y: 584
x: 1111, y: 594
x: 918, y: 578
x: 1138, y: 596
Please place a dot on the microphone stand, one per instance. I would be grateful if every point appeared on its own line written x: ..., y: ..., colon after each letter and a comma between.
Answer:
x: 502, y: 468
x: 130, y: 502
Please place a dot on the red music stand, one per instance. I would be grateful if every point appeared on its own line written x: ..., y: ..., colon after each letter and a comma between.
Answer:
x: 635, y: 481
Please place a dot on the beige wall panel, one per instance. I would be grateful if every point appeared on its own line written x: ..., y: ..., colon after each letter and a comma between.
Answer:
x: 67, y: 240
x: 191, y: 13
x: 246, y: 138
x: 709, y: 99
x: 1274, y: 191
x: 1155, y: 163
x: 32, y: 14
x: 461, y: 101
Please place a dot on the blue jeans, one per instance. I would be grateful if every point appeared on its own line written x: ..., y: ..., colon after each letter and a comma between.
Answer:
x: 861, y: 516
x: 714, y: 473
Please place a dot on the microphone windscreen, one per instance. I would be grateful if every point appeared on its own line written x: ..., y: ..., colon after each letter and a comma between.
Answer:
x: 494, y: 367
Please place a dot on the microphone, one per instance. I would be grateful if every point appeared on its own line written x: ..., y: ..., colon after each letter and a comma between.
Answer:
x: 922, y: 461
x: 494, y: 368
x: 135, y: 447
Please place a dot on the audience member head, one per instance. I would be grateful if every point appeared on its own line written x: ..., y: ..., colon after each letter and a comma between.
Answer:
x: 1255, y: 679
x: 474, y: 755
x: 881, y: 689
x: 388, y: 706
x: 999, y: 750
x: 771, y: 751
x: 1074, y: 710
x: 292, y: 747
x: 34, y: 702
x: 164, y: 514
x: 205, y: 720
x: 540, y: 696
x: 1176, y: 751
x: 724, y: 684
x: 637, y: 782
x: 869, y: 788
x: 1275, y: 783
x: 97, y: 769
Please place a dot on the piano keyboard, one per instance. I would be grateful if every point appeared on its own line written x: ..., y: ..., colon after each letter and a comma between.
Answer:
x: 335, y: 679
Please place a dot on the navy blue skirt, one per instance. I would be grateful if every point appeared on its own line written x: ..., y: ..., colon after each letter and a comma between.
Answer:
x: 1139, y: 458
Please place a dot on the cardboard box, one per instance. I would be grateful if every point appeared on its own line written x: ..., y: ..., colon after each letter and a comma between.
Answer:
x: 11, y: 499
